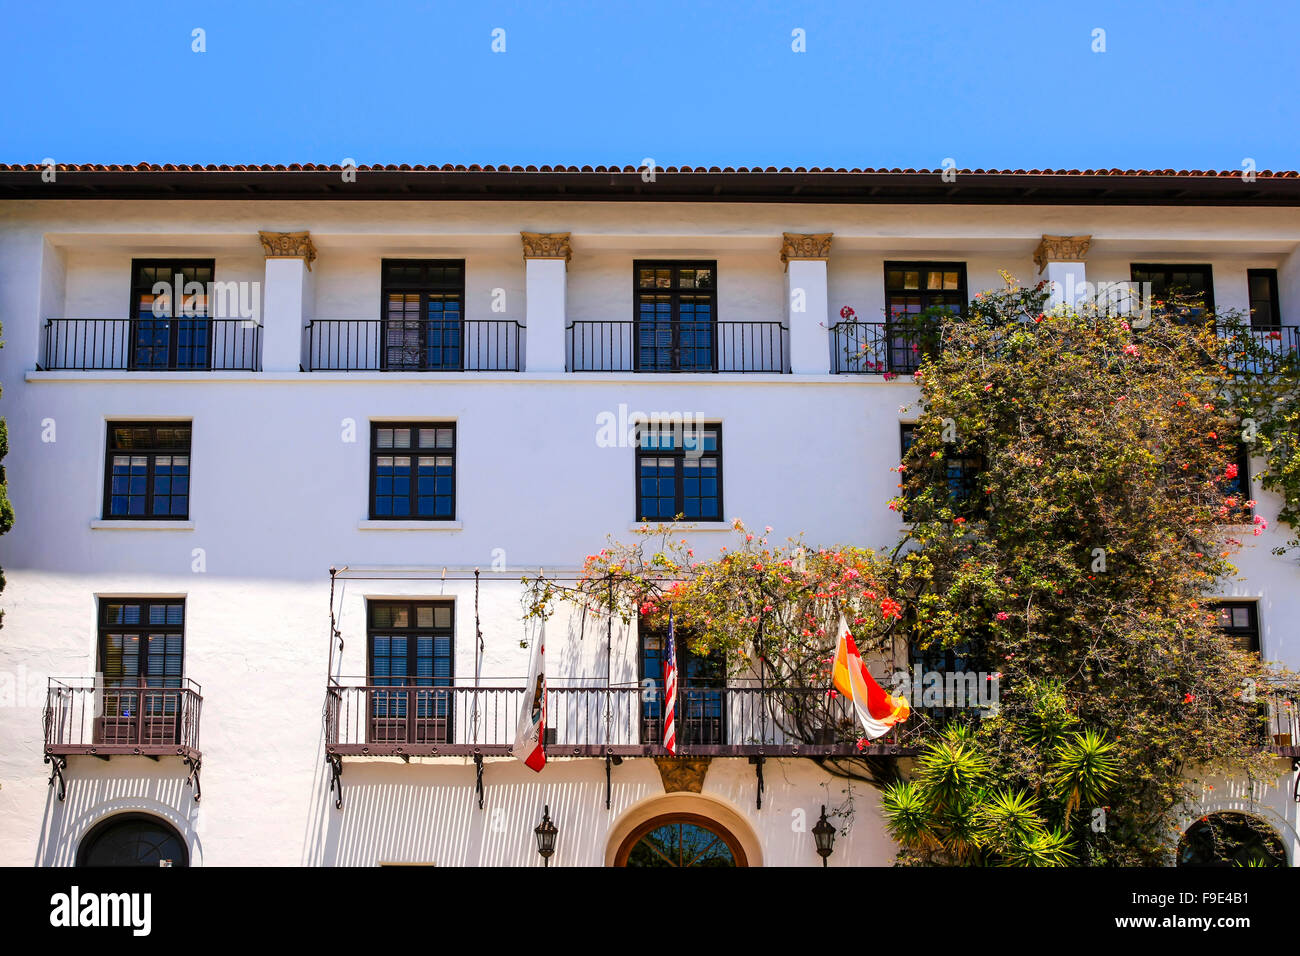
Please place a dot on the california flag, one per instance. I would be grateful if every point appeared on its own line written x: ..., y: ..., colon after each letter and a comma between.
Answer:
x: 878, y: 710
x: 532, y: 718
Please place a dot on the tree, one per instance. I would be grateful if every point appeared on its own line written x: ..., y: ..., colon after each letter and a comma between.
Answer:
x: 1071, y: 548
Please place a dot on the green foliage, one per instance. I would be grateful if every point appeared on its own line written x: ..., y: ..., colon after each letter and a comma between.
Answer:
x: 1075, y: 563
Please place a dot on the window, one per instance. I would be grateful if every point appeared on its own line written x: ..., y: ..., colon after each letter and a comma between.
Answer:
x: 148, y: 470
x: 1265, y: 313
x: 680, y: 839
x: 423, y: 310
x: 171, y: 334
x: 1240, y: 621
x: 961, y: 472
x: 413, y: 471
x: 133, y: 839
x: 1193, y: 283
x: 676, y: 311
x: 410, y: 649
x: 700, y: 716
x: 1238, y: 487
x: 679, y: 472
x: 910, y: 289
x: 142, y: 658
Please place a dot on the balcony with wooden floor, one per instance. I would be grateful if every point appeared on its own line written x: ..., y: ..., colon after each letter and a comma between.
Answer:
x: 84, y: 717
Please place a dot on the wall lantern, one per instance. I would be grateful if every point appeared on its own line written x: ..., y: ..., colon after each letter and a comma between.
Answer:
x: 824, y: 834
x: 546, y: 831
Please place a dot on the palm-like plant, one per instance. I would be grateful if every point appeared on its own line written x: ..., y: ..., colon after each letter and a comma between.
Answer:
x: 1084, y: 770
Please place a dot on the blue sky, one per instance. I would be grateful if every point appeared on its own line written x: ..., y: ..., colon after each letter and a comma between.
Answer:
x: 988, y: 84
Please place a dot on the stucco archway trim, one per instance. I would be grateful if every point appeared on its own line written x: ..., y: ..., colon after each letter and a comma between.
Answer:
x: 723, y: 814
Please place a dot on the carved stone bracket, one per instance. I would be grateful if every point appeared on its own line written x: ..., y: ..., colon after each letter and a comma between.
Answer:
x: 682, y: 773
x: 547, y: 245
x: 288, y: 245
x: 795, y: 245
x: 1061, y: 249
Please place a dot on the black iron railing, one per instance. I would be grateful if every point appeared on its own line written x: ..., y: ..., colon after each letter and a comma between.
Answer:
x: 1269, y: 347
x: 876, y: 348
x: 83, y: 716
x: 435, y: 345
x: 363, y: 718
x: 630, y: 346
x: 189, y: 344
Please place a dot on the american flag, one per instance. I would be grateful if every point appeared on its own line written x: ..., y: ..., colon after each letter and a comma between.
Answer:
x: 670, y: 691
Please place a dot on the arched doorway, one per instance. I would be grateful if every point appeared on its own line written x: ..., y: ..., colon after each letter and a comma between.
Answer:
x: 133, y: 839
x: 680, y: 839
x: 1231, y: 839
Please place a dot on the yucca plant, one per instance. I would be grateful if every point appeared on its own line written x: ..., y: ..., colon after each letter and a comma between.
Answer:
x: 1084, y: 770
x: 1049, y: 848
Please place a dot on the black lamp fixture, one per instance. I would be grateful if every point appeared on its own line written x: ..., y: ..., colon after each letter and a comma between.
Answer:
x: 546, y: 831
x: 824, y: 834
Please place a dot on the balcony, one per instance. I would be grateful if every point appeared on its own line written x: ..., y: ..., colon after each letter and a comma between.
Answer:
x: 85, y: 717
x: 441, y: 345
x: 1282, y: 727
x: 1272, y: 346
x: 188, y: 344
x: 875, y: 348
x: 368, y: 720
x: 602, y: 346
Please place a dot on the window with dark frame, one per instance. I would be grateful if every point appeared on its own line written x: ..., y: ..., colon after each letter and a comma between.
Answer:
x: 1265, y: 312
x: 679, y: 472
x: 1188, y: 282
x: 910, y: 289
x: 413, y: 471
x: 141, y: 645
x: 960, y: 472
x: 147, y: 471
x: 701, y: 717
x: 171, y: 333
x: 675, y: 320
x: 411, y: 649
x: 1240, y: 621
x: 423, y: 306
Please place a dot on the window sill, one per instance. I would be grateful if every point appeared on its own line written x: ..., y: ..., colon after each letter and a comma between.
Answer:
x: 686, y: 526
x: 101, y: 524
x: 370, y: 525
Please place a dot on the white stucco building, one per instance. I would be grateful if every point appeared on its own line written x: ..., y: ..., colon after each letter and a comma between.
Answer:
x: 184, y: 486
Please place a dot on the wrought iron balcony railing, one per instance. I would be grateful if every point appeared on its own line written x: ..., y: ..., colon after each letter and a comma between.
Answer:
x: 85, y: 717
x: 867, y: 348
x: 414, y: 345
x: 187, y: 344
x: 1282, y: 730
x: 1271, y: 347
x: 630, y: 346
x: 368, y: 719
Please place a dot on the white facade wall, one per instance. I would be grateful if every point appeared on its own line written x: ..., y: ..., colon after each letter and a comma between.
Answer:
x: 278, y: 497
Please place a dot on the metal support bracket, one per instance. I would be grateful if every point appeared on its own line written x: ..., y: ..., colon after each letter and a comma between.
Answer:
x: 336, y: 778
x: 609, y: 772
x: 1295, y: 768
x: 478, y: 778
x: 59, y: 764
x: 758, y: 772
x: 195, y: 764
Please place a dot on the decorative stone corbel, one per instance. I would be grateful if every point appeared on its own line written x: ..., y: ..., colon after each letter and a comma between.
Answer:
x: 547, y: 245
x: 796, y: 245
x: 288, y: 245
x: 682, y: 773
x: 1061, y: 249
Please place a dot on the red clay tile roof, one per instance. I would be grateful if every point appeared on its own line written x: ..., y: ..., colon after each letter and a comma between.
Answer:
x: 312, y: 181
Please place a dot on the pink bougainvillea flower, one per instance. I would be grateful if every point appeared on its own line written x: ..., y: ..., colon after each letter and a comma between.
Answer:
x: 1003, y: 616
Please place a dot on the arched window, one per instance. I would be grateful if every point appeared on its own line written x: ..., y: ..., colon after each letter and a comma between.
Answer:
x: 680, y: 839
x: 1230, y: 839
x: 133, y: 839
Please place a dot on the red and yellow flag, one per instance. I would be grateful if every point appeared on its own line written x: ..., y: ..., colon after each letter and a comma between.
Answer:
x: 877, y: 709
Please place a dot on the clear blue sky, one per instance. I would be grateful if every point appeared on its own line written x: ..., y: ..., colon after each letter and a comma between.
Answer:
x: 990, y: 84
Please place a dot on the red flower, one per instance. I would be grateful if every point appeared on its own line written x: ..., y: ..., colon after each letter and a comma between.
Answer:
x: 1003, y: 615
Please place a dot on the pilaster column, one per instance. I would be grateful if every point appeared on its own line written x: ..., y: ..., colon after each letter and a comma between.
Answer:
x: 806, y: 312
x: 546, y: 262
x: 1061, y: 258
x: 286, y: 298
